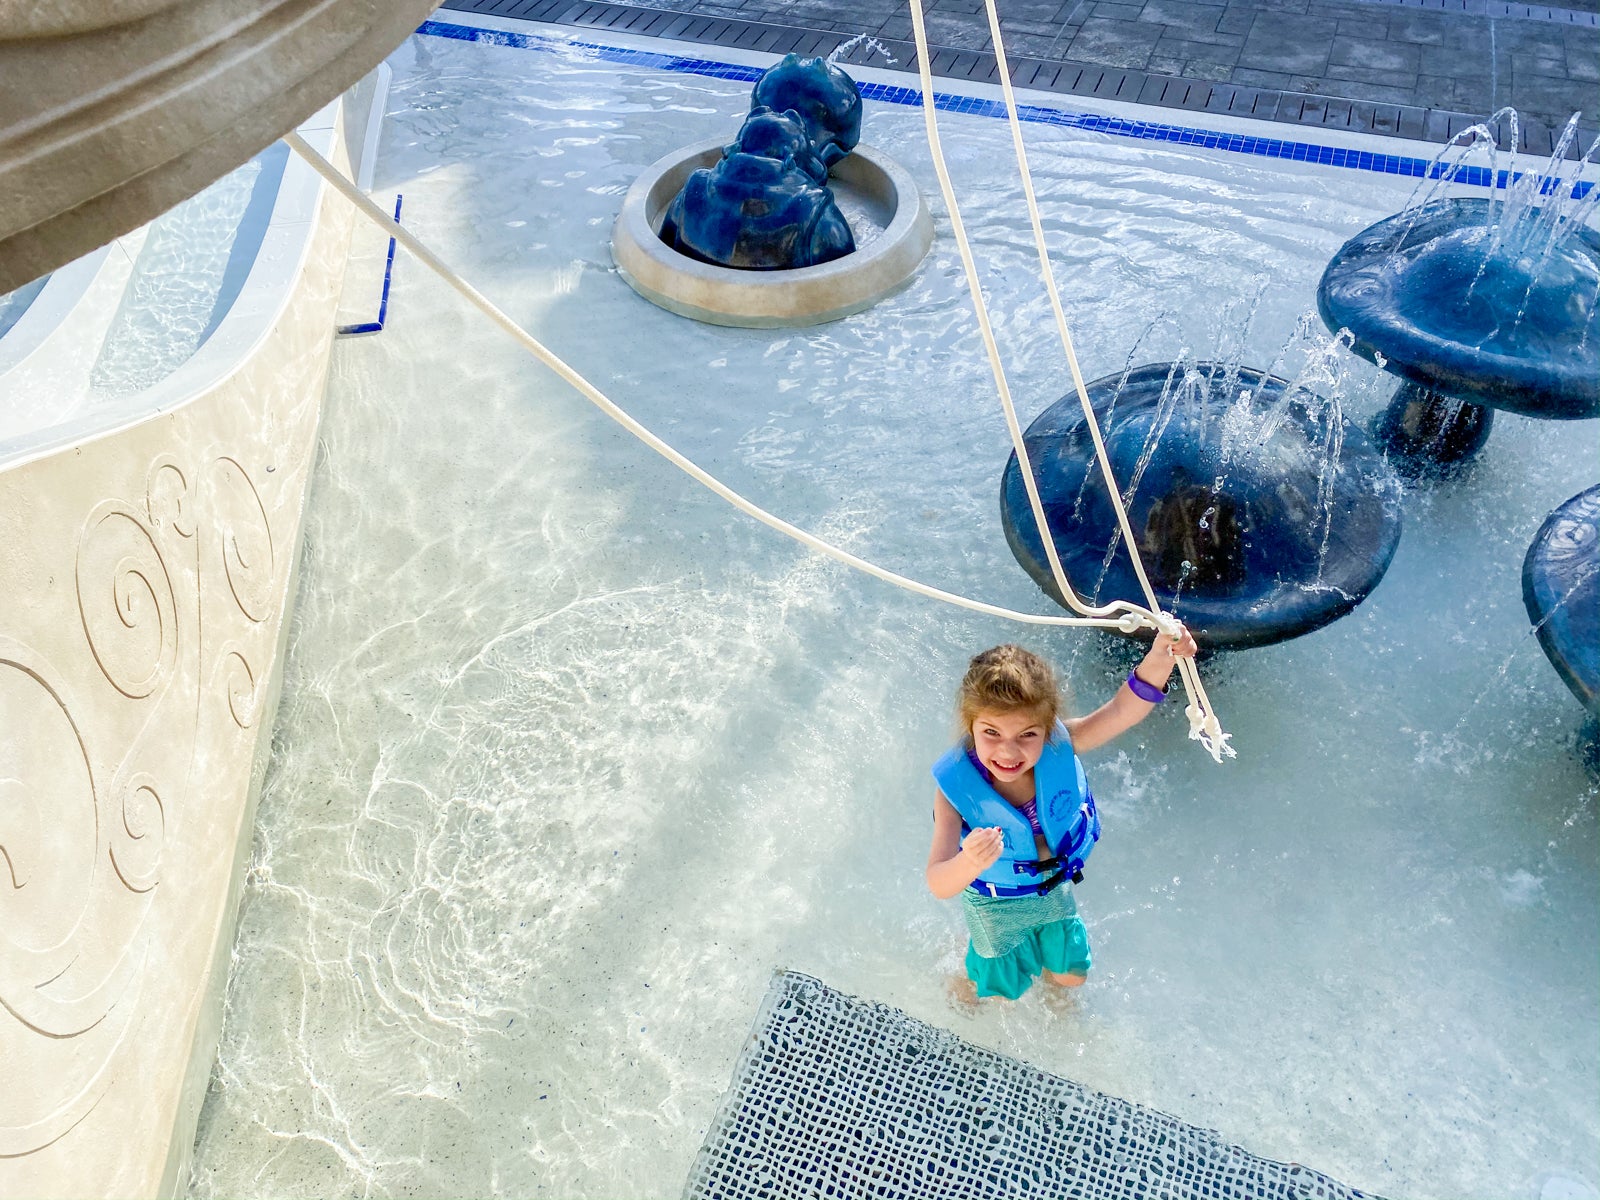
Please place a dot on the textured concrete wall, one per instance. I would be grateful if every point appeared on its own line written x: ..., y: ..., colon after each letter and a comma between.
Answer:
x: 146, y: 574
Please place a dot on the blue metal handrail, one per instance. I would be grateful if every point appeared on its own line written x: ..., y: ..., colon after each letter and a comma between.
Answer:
x: 383, y: 302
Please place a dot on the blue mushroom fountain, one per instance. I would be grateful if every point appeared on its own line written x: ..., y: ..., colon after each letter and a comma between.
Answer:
x: 766, y: 205
x: 1476, y: 304
x: 1261, y: 513
x: 1561, y: 588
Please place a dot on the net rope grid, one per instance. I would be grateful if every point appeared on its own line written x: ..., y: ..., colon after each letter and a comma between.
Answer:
x: 836, y: 1096
x: 1121, y: 615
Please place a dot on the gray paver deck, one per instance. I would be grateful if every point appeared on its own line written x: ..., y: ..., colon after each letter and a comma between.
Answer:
x: 1408, y: 68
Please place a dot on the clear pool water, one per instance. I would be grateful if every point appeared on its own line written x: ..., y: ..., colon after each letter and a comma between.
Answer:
x: 14, y: 303
x: 571, y: 756
x: 193, y: 262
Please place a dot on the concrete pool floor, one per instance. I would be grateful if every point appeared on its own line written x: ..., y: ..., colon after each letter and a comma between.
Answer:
x: 577, y: 1097
x: 1420, y: 69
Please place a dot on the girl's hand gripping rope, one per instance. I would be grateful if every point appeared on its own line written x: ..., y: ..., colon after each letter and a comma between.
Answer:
x: 1203, y: 724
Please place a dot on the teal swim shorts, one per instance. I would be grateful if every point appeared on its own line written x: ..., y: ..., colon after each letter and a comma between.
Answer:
x: 1013, y: 940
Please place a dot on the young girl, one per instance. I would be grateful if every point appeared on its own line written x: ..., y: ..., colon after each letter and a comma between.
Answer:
x: 1014, y: 790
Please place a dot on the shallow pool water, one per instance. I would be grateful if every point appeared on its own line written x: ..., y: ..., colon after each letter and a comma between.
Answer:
x: 571, y: 756
x: 192, y: 264
x: 14, y: 303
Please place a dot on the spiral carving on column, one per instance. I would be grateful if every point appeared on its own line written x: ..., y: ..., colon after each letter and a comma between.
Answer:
x: 240, y: 682
x: 248, y: 556
x: 168, y: 498
x: 126, y: 601
x: 47, y: 828
x: 56, y: 976
x: 139, y: 836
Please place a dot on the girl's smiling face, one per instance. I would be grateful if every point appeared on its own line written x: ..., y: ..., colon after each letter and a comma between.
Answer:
x: 1008, y: 744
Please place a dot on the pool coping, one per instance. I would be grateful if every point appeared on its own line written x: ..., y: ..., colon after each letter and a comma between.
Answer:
x: 1065, y: 78
x: 1122, y: 118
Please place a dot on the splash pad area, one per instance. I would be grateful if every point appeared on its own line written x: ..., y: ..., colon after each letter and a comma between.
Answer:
x: 570, y: 757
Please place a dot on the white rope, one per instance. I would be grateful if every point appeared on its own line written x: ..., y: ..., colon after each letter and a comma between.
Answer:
x: 1203, y: 723
x: 1131, y: 616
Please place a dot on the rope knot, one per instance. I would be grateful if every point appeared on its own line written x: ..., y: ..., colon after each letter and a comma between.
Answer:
x: 1168, y: 624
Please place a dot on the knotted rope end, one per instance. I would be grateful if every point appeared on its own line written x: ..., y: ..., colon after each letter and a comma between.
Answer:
x: 1207, y: 730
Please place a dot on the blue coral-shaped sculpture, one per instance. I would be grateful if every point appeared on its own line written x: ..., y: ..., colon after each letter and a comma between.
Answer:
x: 821, y: 95
x: 780, y: 135
x: 756, y: 214
x: 766, y: 205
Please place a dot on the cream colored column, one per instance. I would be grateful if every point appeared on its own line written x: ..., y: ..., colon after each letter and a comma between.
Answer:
x: 145, y: 581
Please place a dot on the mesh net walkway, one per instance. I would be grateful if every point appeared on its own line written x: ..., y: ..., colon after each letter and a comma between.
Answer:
x: 840, y: 1098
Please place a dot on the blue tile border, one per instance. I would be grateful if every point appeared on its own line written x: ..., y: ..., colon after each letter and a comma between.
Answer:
x: 1156, y: 131
x: 383, y: 298
x: 1500, y: 9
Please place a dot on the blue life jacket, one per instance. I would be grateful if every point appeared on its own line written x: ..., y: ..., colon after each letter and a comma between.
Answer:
x: 1066, y: 812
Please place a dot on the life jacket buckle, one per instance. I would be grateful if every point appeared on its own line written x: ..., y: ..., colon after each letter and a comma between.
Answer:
x: 1051, y: 884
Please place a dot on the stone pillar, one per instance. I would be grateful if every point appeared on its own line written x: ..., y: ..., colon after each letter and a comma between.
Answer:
x: 147, y: 571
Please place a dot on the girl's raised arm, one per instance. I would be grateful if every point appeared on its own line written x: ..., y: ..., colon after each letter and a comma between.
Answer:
x: 1126, y: 709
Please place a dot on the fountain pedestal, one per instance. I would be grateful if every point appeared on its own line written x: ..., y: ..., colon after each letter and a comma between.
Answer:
x: 1425, y: 431
x: 891, y: 223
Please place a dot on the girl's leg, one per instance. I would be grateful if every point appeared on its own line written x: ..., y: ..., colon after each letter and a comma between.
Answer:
x: 1066, y: 953
x: 962, y: 993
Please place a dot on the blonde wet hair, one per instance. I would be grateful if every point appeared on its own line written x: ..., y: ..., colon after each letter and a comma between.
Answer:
x: 1008, y: 679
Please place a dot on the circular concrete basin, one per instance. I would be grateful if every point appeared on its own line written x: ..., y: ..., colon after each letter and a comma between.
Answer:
x: 877, y: 196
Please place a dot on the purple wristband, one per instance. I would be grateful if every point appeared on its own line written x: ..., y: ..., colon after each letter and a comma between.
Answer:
x: 1147, y: 692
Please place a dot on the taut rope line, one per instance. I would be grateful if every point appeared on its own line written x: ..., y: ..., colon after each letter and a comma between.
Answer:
x: 1132, y: 619
x: 1203, y: 723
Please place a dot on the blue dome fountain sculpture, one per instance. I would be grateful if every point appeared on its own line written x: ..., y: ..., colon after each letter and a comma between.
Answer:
x: 1261, y: 513
x: 1476, y: 304
x: 1561, y: 588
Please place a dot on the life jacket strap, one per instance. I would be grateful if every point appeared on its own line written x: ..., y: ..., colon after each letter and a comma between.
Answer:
x: 1065, y: 865
x: 1043, y: 888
